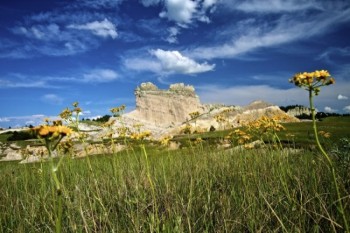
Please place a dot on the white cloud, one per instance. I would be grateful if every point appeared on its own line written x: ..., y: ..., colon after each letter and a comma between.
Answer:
x: 172, y: 37
x: 4, y: 119
x: 184, y: 12
x: 209, y: 3
x: 342, y: 97
x: 142, y: 65
x: 347, y: 109
x: 329, y: 109
x: 271, y: 6
x: 52, y: 99
x: 180, y: 11
x: 23, y: 84
x: 41, y: 32
x: 256, y: 35
x: 148, y: 3
x: 175, y: 62
x: 332, y: 55
x: 19, y: 121
x: 100, y: 76
x: 242, y: 95
x: 98, y: 4
x: 99, y: 28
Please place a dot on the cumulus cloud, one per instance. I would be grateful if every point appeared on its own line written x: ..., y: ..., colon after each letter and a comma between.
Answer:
x: 180, y: 11
x: 52, y: 99
x: 175, y: 62
x: 100, y: 76
x: 99, y: 28
x: 342, y: 97
x: 184, y: 12
x: 329, y: 109
x: 347, y: 109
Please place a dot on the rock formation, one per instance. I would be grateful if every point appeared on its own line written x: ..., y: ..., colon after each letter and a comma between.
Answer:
x: 165, y: 108
x: 299, y: 111
x: 163, y: 113
x: 237, y: 116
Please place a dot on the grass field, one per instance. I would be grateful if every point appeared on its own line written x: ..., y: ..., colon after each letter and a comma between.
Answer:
x: 195, y: 189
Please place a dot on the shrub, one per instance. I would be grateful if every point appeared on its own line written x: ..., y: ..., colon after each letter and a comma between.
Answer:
x: 21, y: 135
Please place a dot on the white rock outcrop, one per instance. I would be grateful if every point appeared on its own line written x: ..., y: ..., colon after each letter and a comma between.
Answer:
x: 165, y: 108
x: 299, y: 111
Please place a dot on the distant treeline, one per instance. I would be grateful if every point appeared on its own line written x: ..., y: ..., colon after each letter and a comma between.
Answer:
x: 286, y: 108
x: 319, y: 115
x: 102, y: 119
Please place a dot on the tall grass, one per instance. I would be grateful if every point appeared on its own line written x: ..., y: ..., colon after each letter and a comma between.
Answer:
x: 195, y: 190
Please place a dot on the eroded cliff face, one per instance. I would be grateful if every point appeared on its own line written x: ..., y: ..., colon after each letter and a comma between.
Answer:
x: 165, y: 107
x: 299, y: 111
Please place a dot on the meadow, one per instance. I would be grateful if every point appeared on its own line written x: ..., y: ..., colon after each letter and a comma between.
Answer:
x: 298, y: 180
x: 200, y: 188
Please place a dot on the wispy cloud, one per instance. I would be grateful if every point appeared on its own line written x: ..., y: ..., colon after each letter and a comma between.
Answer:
x: 172, y: 37
x: 100, y: 28
x: 140, y: 64
x: 52, y: 99
x: 99, y: 4
x: 332, y: 55
x: 20, y: 121
x: 273, y: 6
x: 5, y: 83
x: 100, y: 76
x: 260, y: 34
x: 242, y: 95
x: 4, y: 119
x: 148, y: 3
x: 64, y: 31
x: 93, y: 76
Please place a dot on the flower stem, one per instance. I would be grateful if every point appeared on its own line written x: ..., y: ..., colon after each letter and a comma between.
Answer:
x: 340, y: 203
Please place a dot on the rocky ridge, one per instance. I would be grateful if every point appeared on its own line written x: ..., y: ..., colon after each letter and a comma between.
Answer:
x: 165, y: 108
x: 299, y: 111
x: 163, y: 113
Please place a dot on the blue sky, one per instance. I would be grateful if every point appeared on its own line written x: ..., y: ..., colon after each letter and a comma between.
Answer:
x: 53, y: 53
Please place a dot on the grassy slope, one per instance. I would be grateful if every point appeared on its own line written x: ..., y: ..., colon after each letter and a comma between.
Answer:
x: 194, y: 190
x: 302, y: 131
x: 197, y: 189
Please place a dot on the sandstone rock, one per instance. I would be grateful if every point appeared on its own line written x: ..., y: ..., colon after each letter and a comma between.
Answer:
x: 299, y: 111
x: 173, y: 145
x: 14, y: 146
x: 11, y: 155
x: 165, y: 107
x: 98, y: 148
